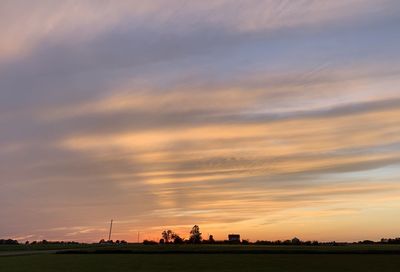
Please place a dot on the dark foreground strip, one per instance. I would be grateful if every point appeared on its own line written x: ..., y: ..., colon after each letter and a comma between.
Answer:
x: 123, y: 251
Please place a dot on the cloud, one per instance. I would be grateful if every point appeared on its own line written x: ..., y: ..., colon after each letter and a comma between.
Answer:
x: 253, y: 115
x: 26, y: 24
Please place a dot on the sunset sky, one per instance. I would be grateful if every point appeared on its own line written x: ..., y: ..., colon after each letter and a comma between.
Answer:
x: 271, y: 119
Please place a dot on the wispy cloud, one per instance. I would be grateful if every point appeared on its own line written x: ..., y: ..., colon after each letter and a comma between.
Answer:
x: 272, y: 118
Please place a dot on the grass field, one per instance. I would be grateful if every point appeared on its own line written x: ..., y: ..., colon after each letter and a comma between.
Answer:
x: 4, y: 248
x: 200, y: 262
x: 220, y: 248
x: 210, y: 258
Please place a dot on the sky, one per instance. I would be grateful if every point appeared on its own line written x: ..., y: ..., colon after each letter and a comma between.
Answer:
x: 272, y: 119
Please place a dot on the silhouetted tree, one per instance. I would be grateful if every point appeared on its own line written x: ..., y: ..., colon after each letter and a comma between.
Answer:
x: 195, y: 235
x: 366, y: 242
x: 394, y: 241
x: 162, y: 241
x: 8, y: 242
x: 177, y: 239
x: 211, y: 239
x: 167, y: 235
x: 296, y: 241
x: 149, y: 242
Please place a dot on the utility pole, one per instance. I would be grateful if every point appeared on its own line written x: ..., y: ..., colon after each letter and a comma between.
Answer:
x: 109, y: 234
x: 138, y: 233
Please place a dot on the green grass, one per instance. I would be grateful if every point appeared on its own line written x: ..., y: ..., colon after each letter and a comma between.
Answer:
x: 201, y: 262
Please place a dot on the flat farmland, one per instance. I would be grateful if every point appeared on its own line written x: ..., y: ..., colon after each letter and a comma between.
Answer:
x: 134, y: 257
x: 201, y: 262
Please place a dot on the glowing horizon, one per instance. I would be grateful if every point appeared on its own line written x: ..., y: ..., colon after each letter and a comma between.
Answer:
x: 272, y: 119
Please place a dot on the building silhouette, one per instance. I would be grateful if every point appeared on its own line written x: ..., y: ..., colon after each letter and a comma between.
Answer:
x: 234, y: 238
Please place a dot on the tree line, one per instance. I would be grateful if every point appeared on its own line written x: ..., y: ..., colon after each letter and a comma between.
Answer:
x: 170, y: 237
x: 195, y: 237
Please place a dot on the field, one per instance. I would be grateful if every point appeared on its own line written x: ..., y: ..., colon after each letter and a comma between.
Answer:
x: 204, y: 258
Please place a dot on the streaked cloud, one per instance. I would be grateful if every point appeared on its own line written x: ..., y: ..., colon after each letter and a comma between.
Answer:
x: 270, y: 118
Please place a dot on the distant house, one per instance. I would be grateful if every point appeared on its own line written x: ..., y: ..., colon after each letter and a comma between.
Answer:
x: 234, y: 238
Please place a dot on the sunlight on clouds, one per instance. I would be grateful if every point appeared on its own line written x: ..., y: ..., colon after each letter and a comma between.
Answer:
x: 226, y: 154
x: 273, y: 119
x: 294, y: 131
x: 275, y: 209
x: 25, y: 25
x: 155, y: 101
x: 296, y: 145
